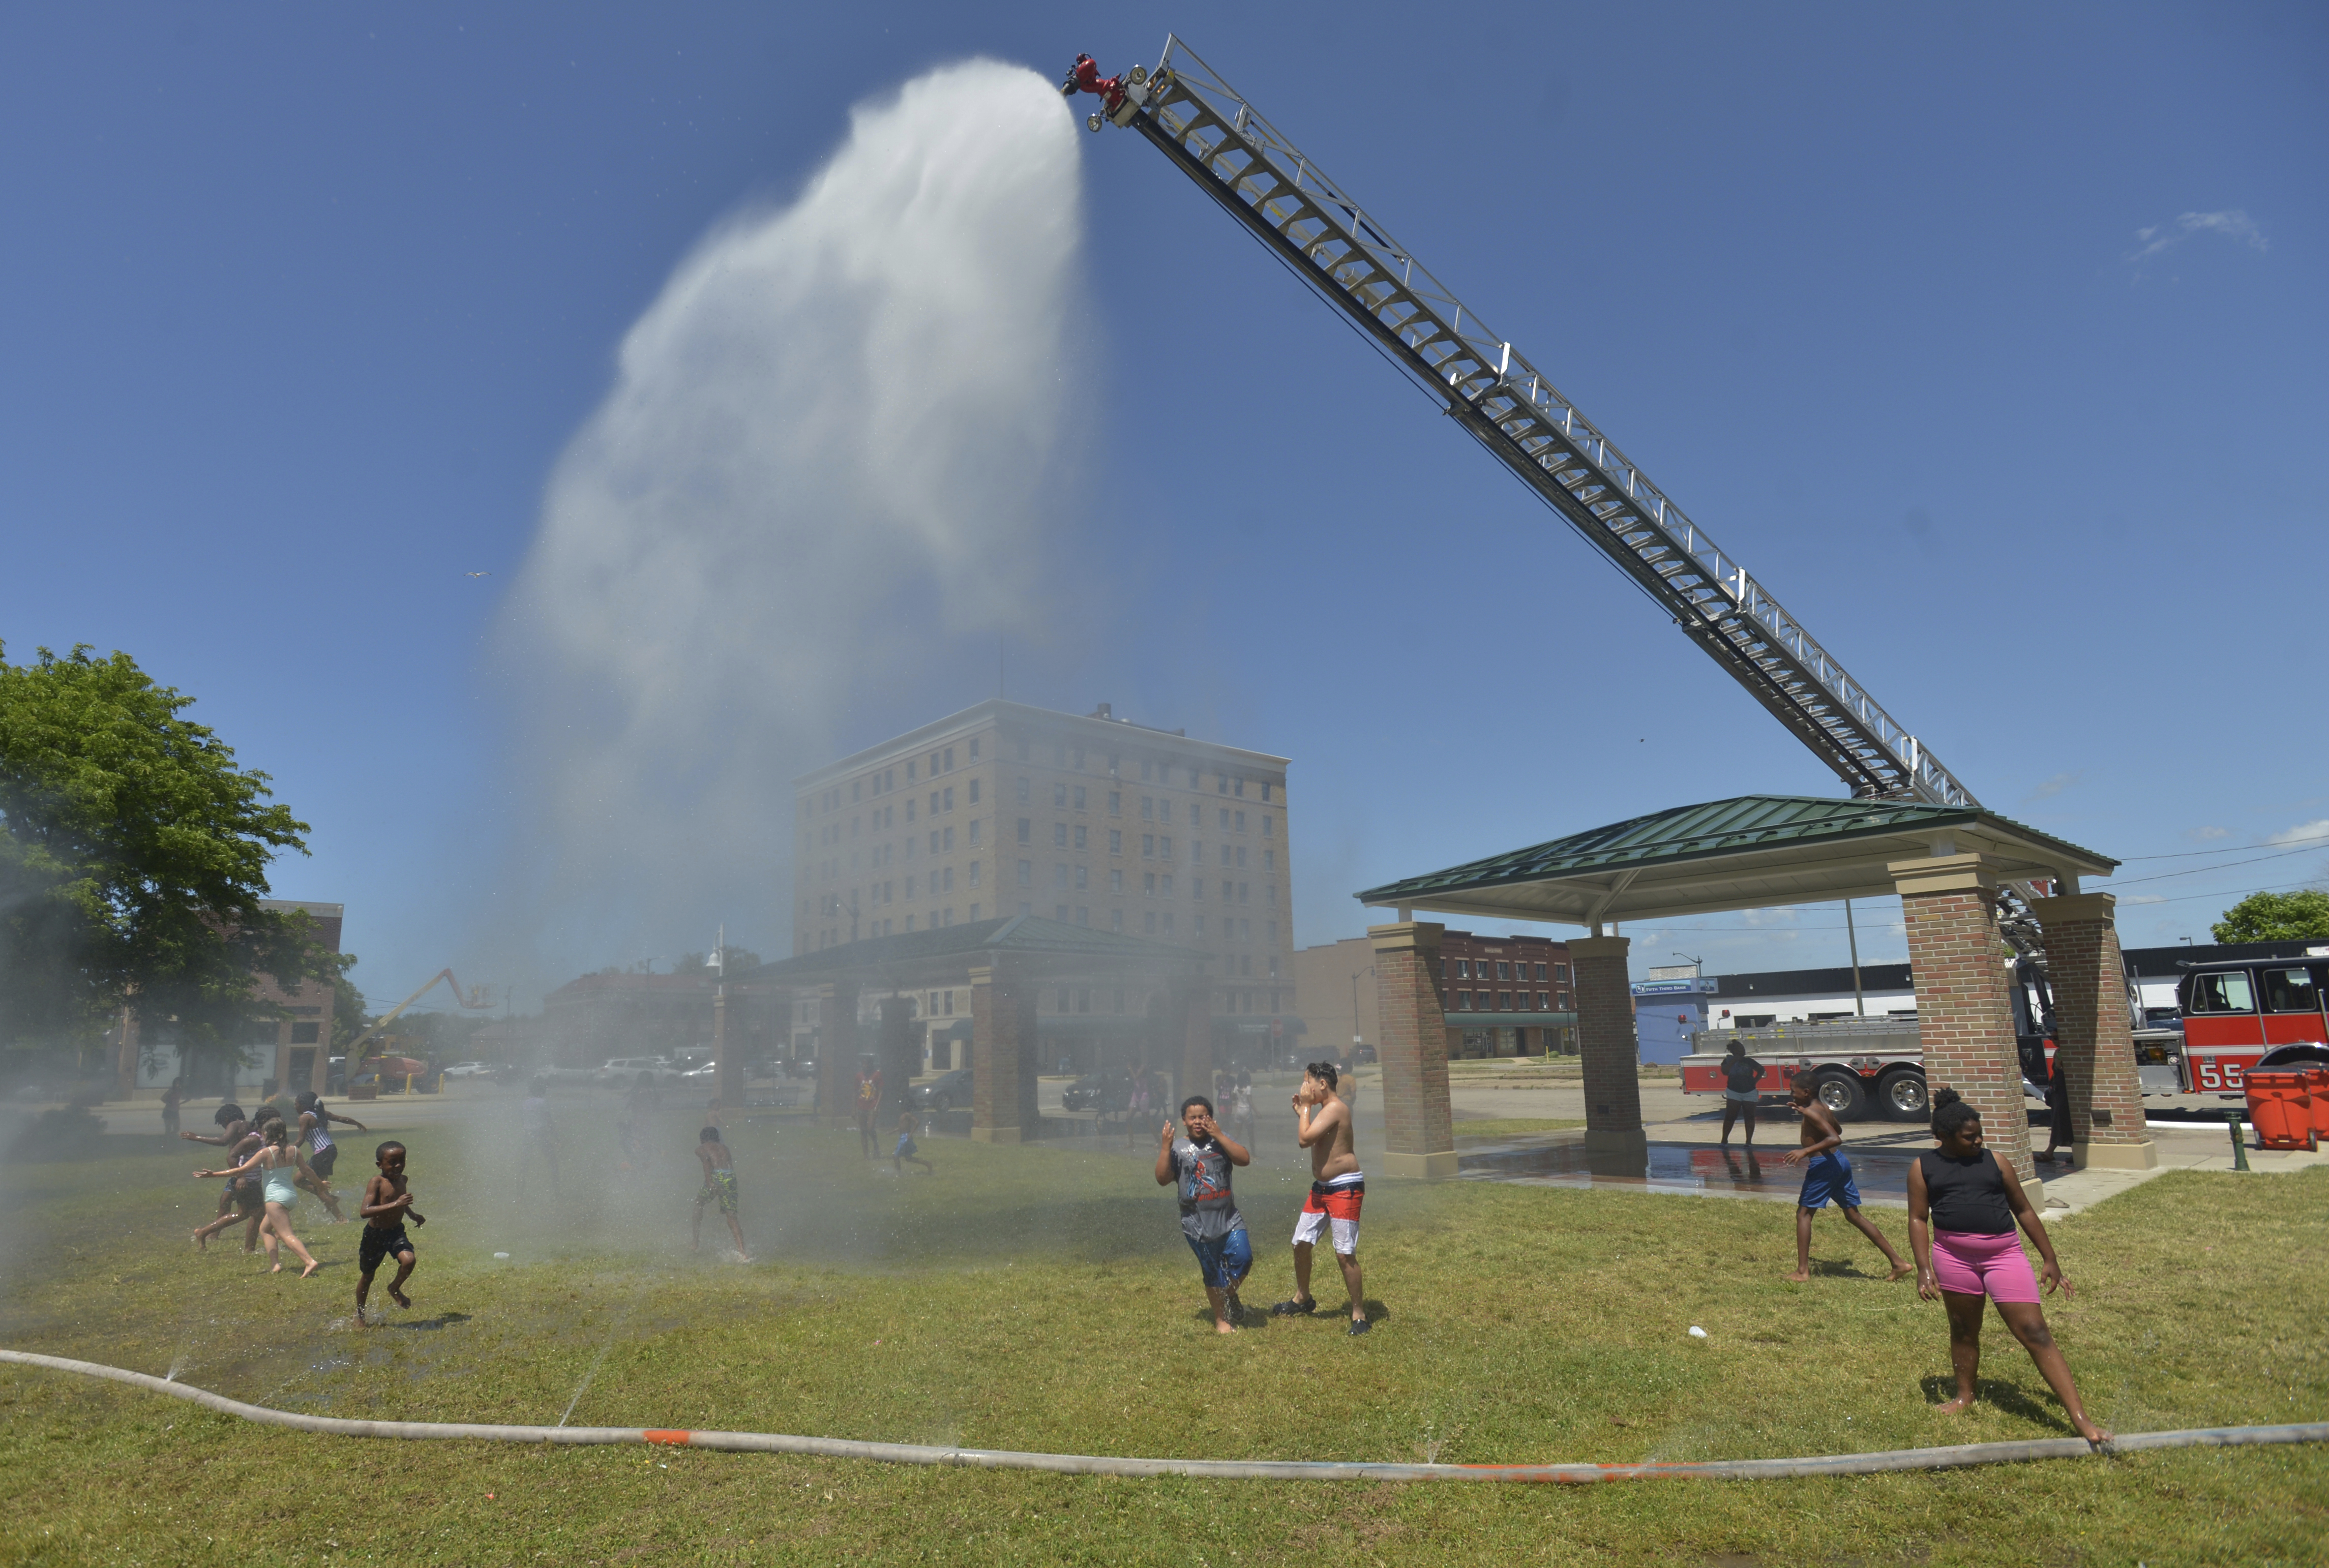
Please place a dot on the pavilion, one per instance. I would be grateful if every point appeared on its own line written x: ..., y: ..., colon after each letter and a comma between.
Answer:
x: 1945, y: 863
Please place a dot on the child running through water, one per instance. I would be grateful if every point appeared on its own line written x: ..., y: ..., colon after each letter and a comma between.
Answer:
x: 387, y: 1205
x: 1827, y: 1174
x: 718, y: 1187
x: 277, y: 1162
x: 905, y: 1150
x: 1963, y: 1205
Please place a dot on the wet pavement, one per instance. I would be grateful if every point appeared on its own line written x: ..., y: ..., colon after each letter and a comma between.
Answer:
x: 1880, y: 1174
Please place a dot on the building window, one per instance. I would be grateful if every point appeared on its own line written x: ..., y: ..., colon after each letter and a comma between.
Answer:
x: 1240, y: 822
x: 1115, y: 803
x: 1269, y: 894
x: 1464, y: 968
x: 1243, y: 889
x: 1059, y: 797
x: 1025, y: 827
x: 1083, y: 878
x: 1503, y: 1002
x: 1197, y: 888
x: 1148, y: 883
x: 1164, y: 846
x: 1026, y: 873
x: 1269, y: 859
x: 1025, y: 907
x: 1200, y: 925
x: 934, y: 843
x: 910, y: 923
x: 1115, y: 922
x: 1059, y: 873
x: 1116, y: 841
x: 1264, y: 792
x: 1544, y: 1002
x: 974, y: 757
x: 1147, y: 808
x: 1539, y: 971
x: 1237, y: 788
x: 974, y: 877
x: 947, y: 876
x: 949, y: 795
x: 1058, y: 835
x: 910, y: 770
x: 1080, y: 843
x: 1225, y: 819
x: 1060, y: 913
x: 910, y: 808
x: 1245, y: 934
x: 1503, y: 972
x: 1080, y: 797
x: 974, y: 791
x: 1116, y: 881
x: 1168, y: 923
x: 1147, y: 846
x: 1560, y: 972
x: 1083, y: 913
x: 1148, y: 924
x: 934, y: 802
x: 975, y: 826
x: 1025, y: 791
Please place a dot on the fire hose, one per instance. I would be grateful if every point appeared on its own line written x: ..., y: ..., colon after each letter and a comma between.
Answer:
x: 1860, y: 1464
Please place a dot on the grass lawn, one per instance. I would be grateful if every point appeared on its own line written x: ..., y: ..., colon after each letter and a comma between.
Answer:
x: 1041, y: 1299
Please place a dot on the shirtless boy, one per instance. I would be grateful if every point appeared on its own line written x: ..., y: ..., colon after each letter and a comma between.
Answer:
x: 1337, y: 1187
x: 718, y: 1187
x: 1827, y: 1174
x: 387, y: 1205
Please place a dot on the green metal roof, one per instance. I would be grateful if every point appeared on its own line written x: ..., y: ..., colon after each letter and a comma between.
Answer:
x: 1740, y: 853
x: 951, y: 949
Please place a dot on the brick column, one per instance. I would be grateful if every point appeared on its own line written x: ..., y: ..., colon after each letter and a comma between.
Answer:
x: 895, y: 1046
x: 1189, y: 1013
x: 1001, y: 1053
x: 1418, y: 1132
x: 2095, y: 1048
x: 836, y: 1052
x: 1965, y: 1013
x: 1607, y: 1046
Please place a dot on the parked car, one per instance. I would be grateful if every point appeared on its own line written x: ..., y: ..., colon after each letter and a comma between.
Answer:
x: 947, y: 1092
x: 467, y: 1070
x: 1105, y: 1092
x: 695, y: 1071
x: 622, y: 1072
x: 567, y: 1075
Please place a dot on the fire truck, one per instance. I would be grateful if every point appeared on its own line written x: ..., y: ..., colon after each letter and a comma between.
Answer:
x: 1876, y: 1067
x: 2243, y: 1014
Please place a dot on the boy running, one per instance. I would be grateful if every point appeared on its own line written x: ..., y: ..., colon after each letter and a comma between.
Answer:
x: 906, y: 1148
x: 240, y: 1201
x: 718, y: 1187
x: 1337, y: 1188
x: 1741, y: 1075
x: 1209, y: 1220
x: 387, y: 1205
x: 1827, y: 1174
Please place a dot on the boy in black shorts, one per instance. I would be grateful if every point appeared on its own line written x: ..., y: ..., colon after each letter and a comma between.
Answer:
x: 387, y: 1205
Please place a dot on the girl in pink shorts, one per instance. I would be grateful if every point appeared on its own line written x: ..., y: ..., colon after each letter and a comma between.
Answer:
x: 1964, y: 1204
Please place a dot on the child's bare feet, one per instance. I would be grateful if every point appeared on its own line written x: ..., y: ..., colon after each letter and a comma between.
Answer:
x: 201, y: 1241
x: 274, y: 1268
x: 1900, y: 1271
x: 1224, y: 1326
x: 400, y: 1298
x: 1957, y: 1406
x: 313, y: 1264
x: 1800, y: 1277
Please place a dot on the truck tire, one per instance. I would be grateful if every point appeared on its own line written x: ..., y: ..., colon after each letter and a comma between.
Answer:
x: 1900, y: 1094
x: 1841, y: 1093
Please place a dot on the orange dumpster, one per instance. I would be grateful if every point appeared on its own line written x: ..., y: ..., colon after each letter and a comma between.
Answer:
x: 2317, y: 1083
x: 2282, y: 1110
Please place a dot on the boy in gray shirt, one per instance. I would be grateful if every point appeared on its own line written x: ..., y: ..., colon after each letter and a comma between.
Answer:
x: 1215, y: 1231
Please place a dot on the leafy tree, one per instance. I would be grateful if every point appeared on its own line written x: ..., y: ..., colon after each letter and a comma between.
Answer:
x: 133, y: 858
x: 2276, y: 918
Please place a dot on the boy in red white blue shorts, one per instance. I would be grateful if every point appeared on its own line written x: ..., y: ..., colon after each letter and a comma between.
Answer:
x: 1337, y: 1189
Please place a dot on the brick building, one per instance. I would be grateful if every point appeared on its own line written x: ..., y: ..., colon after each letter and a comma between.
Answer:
x: 1504, y: 996
x: 1088, y: 821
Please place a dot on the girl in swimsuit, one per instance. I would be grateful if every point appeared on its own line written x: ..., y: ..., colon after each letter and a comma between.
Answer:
x: 277, y: 1162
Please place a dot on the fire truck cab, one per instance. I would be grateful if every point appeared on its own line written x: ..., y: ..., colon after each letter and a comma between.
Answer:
x: 2240, y: 1014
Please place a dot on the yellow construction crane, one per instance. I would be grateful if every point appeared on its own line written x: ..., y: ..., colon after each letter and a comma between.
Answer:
x: 474, y: 999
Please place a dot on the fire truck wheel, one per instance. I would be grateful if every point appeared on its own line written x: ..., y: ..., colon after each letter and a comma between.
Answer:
x: 1841, y: 1093
x: 1901, y: 1095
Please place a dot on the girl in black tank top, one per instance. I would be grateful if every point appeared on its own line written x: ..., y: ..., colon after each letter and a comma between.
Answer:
x: 1964, y: 1203
x: 1968, y: 1195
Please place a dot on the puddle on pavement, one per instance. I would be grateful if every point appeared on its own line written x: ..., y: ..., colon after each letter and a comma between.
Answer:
x: 1678, y: 1168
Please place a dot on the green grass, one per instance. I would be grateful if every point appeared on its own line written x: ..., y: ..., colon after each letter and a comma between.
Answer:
x: 1039, y: 1298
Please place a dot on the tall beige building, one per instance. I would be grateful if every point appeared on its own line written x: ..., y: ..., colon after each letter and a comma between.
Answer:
x: 1093, y: 820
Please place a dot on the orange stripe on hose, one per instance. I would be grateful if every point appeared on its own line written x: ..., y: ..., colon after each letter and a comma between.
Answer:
x: 675, y: 1439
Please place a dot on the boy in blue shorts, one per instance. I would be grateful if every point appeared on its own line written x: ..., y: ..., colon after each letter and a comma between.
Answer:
x: 1827, y: 1175
x: 1209, y: 1220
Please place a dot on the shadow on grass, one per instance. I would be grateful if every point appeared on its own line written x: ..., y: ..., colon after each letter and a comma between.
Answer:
x: 429, y: 1325
x: 1940, y: 1389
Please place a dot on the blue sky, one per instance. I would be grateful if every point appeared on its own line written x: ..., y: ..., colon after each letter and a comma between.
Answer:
x: 1989, y: 338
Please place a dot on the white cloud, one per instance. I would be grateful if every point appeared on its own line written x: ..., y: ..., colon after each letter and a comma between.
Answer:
x: 2203, y: 835
x: 2143, y: 899
x: 2233, y: 224
x: 2051, y: 788
x: 2313, y: 832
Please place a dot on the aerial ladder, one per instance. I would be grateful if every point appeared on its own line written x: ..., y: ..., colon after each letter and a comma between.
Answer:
x: 1345, y: 255
x: 474, y: 1000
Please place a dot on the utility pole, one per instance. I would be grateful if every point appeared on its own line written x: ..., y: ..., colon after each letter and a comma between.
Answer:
x: 720, y: 1075
x: 1859, y: 1003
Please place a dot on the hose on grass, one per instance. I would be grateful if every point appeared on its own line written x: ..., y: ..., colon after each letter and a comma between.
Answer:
x: 1854, y: 1464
